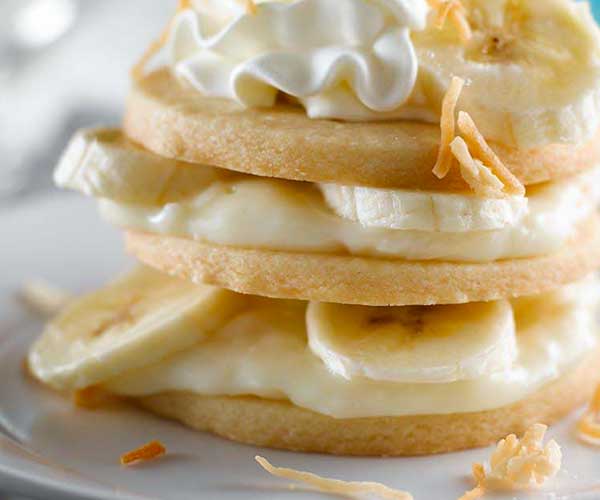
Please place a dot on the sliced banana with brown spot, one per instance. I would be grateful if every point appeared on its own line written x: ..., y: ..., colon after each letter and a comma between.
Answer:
x: 416, y: 344
x: 532, y: 69
x: 135, y: 321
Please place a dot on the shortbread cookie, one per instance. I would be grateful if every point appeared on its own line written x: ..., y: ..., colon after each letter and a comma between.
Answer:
x: 369, y: 281
x: 280, y: 424
x: 176, y: 122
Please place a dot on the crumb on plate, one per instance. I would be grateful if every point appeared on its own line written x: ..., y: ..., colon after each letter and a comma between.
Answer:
x: 518, y: 464
x: 335, y: 486
x: 149, y: 451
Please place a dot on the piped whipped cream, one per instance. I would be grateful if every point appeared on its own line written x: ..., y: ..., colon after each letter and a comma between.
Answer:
x: 344, y: 59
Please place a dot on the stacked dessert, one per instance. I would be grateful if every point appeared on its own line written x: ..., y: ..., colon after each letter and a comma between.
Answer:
x: 369, y: 226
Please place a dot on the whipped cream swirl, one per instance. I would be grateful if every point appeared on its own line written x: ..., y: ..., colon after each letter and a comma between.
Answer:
x: 342, y: 59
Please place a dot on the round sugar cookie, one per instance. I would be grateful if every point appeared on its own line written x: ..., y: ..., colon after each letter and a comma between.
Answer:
x: 175, y: 121
x: 280, y: 424
x: 348, y: 279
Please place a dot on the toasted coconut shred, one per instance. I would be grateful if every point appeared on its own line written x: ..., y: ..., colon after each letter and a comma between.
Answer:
x: 44, y: 298
x: 479, y: 177
x: 459, y: 19
x: 150, y: 451
x: 482, y: 150
x: 588, y: 427
x: 518, y: 464
x: 335, y: 486
x: 479, y: 490
x: 456, y: 12
x: 447, y: 124
x: 443, y: 9
x: 479, y: 166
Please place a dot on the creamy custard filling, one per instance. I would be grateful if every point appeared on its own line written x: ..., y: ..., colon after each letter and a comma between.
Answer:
x: 264, y: 351
x: 291, y: 216
x: 147, y: 332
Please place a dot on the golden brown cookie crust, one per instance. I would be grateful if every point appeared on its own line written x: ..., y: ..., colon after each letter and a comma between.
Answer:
x: 280, y: 424
x: 177, y: 122
x: 369, y: 281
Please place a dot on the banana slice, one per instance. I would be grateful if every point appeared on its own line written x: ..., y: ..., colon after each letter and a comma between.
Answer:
x: 104, y: 163
x: 423, y: 211
x: 133, y: 322
x: 569, y: 305
x: 533, y: 68
x: 419, y: 344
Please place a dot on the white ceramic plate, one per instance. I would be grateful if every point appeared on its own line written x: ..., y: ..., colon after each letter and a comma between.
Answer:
x: 49, y: 449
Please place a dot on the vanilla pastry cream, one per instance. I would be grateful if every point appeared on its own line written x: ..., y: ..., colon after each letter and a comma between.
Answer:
x: 272, y: 214
x: 147, y: 332
x: 264, y: 351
